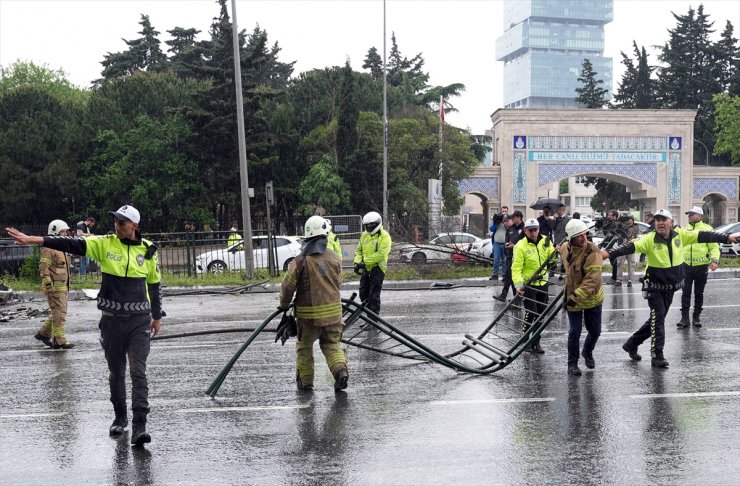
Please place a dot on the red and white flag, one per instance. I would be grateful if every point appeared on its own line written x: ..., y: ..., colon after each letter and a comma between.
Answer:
x: 442, y: 110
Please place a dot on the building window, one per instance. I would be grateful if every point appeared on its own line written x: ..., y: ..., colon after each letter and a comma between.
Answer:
x: 583, y: 201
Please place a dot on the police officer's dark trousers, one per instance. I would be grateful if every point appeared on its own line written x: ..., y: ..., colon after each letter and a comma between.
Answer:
x: 371, y: 283
x: 535, y: 303
x: 122, y: 337
x: 508, y: 284
x: 695, y: 276
x: 654, y: 328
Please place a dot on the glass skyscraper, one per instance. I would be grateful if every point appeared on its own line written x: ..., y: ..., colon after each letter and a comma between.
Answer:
x: 543, y: 48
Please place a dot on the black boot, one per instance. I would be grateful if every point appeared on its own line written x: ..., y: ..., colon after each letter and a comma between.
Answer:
x: 120, y: 422
x: 44, y: 339
x: 684, y: 322
x: 139, y: 435
x: 574, y: 370
x: 588, y: 358
x: 632, y: 350
x: 340, y: 380
x: 697, y: 320
x: 536, y: 348
x: 659, y: 361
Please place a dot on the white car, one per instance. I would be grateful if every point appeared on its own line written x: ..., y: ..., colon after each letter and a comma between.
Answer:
x: 729, y: 249
x: 232, y: 257
x: 424, y: 252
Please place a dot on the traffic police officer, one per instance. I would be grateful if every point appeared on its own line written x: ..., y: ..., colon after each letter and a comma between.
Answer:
x: 130, y: 299
x: 371, y: 259
x: 697, y: 259
x: 529, y: 254
x: 663, y: 276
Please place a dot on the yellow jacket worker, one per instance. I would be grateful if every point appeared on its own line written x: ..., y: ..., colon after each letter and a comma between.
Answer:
x: 371, y: 259
x: 530, y: 253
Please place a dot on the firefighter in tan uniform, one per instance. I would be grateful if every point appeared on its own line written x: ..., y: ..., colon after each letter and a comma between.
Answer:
x: 54, y: 271
x: 314, y: 277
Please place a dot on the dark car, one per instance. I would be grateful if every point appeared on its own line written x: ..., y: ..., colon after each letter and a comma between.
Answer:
x: 12, y: 256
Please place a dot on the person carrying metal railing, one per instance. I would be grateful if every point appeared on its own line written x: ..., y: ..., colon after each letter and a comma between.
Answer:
x: 529, y: 255
x: 584, y: 293
x: 314, y: 277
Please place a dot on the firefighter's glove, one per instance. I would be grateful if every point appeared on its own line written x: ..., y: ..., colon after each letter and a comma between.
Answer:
x: 283, y: 308
x: 359, y: 268
x: 570, y: 303
x: 286, y: 329
x: 47, y: 284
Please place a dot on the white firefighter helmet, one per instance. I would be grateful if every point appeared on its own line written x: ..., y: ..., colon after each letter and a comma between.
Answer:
x: 575, y: 227
x: 56, y: 227
x: 372, y: 222
x: 316, y: 226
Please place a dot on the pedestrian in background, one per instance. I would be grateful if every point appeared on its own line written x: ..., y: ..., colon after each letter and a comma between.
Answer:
x: 545, y: 221
x: 84, y: 229
x: 698, y: 259
x: 130, y: 299
x: 314, y: 277
x: 371, y: 259
x: 584, y: 293
x: 529, y: 254
x: 614, y: 234
x: 234, y: 236
x: 514, y: 232
x: 333, y: 242
x: 559, y: 224
x: 663, y: 276
x: 54, y: 271
x: 498, y: 239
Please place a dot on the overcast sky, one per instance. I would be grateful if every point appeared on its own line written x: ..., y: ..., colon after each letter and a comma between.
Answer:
x: 456, y: 37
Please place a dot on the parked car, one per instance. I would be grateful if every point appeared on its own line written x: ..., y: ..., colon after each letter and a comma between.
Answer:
x: 12, y: 256
x: 483, y: 248
x: 729, y: 249
x: 438, y: 248
x: 232, y: 257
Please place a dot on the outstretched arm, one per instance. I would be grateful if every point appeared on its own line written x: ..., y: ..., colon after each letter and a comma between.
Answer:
x: 23, y: 238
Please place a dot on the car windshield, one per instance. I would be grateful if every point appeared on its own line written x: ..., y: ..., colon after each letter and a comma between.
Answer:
x: 728, y: 228
x: 441, y: 240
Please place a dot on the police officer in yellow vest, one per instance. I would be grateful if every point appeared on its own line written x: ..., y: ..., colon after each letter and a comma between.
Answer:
x: 529, y: 254
x: 234, y: 236
x: 333, y: 242
x: 664, y: 275
x: 54, y: 271
x: 130, y: 299
x: 697, y: 259
x: 371, y: 259
x: 314, y: 277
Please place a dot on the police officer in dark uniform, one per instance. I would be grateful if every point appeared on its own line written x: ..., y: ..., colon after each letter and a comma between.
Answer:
x: 130, y: 299
x: 663, y: 276
x: 514, y: 233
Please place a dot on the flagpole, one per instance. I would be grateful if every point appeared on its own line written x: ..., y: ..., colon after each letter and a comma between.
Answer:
x: 385, y: 130
x: 441, y: 133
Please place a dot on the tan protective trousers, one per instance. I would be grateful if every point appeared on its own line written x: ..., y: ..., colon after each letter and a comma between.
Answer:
x: 329, y: 341
x: 53, y: 327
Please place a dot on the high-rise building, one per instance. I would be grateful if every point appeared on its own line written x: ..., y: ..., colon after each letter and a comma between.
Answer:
x: 543, y: 48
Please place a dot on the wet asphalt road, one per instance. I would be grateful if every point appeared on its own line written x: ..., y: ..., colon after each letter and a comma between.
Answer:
x: 399, y: 422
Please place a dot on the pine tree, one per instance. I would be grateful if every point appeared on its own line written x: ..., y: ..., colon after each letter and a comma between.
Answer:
x: 636, y: 90
x: 143, y: 54
x: 374, y: 63
x: 186, y: 53
x: 591, y: 94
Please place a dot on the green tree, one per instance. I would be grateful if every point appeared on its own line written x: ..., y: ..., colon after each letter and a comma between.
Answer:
x: 185, y: 52
x: 41, y: 137
x: 727, y: 110
x: 143, y: 54
x: 591, y: 94
x: 613, y: 193
x: 146, y: 166
x: 636, y: 90
x: 374, y: 63
x: 323, y: 188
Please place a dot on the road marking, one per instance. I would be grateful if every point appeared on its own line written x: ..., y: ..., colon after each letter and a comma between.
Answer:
x: 492, y: 400
x: 688, y: 395
x: 241, y: 409
x: 33, y: 415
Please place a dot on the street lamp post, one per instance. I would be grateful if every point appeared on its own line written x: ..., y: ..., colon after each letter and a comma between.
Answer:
x: 705, y: 148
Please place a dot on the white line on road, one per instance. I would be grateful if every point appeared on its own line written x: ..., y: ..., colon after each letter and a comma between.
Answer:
x: 33, y: 415
x: 648, y: 308
x: 240, y: 409
x: 689, y: 395
x: 492, y: 400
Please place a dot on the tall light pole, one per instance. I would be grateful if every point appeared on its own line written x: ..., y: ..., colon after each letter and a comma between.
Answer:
x: 246, y: 211
x: 386, y: 135
x: 705, y: 148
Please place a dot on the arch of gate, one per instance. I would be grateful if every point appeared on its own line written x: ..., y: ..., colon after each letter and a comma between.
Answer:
x: 649, y: 151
